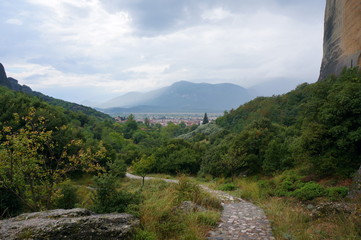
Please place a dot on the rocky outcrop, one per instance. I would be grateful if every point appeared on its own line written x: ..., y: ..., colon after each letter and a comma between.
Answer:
x: 68, y: 224
x: 327, y: 208
x: 342, y: 37
x: 13, y: 84
x: 3, y: 77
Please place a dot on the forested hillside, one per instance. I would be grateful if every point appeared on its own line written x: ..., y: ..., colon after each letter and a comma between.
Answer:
x: 316, y: 126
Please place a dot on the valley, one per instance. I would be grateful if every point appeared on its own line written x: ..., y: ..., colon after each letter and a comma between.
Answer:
x: 171, y: 159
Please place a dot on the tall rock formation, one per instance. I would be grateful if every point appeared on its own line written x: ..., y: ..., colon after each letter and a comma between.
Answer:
x: 342, y: 36
x: 3, y: 78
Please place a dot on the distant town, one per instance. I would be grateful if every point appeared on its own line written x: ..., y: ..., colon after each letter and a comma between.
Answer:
x: 164, y: 119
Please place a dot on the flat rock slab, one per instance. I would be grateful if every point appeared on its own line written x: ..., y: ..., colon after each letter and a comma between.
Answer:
x: 69, y: 224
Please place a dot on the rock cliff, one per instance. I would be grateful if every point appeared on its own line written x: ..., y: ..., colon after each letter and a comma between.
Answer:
x: 69, y: 224
x: 342, y: 36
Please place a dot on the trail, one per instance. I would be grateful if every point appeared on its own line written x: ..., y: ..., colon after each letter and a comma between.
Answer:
x: 240, y: 220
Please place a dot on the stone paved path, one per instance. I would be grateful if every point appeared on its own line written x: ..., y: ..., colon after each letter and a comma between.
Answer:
x: 240, y: 220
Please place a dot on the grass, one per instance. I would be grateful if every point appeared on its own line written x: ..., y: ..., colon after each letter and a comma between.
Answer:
x: 161, y: 219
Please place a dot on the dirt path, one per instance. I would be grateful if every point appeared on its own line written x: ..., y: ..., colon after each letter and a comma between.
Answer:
x: 240, y: 220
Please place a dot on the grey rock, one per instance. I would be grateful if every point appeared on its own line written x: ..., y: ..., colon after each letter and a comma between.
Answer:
x: 355, y: 190
x: 69, y: 224
x: 341, y: 41
x: 189, y: 206
x: 327, y: 208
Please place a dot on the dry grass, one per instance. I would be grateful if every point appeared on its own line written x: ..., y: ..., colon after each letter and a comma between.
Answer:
x: 159, y: 214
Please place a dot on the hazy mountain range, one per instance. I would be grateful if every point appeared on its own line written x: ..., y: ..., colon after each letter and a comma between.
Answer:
x: 181, y: 96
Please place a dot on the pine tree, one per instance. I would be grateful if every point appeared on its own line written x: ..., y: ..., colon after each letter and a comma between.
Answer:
x: 205, y: 119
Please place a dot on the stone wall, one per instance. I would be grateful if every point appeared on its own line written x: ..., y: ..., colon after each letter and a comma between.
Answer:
x: 342, y: 36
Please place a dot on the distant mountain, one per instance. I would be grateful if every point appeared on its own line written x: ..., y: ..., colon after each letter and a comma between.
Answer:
x: 181, y: 97
x: 276, y: 86
x: 13, y: 84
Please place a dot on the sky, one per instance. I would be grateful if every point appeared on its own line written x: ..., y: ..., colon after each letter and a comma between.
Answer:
x: 94, y: 50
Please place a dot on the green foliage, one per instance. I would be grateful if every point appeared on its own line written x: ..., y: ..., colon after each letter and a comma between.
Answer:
x: 336, y: 193
x: 32, y: 167
x: 207, y: 131
x: 68, y: 197
x: 186, y: 190
x: 316, y: 125
x: 288, y: 184
x: 227, y: 187
x: 276, y: 158
x: 309, y: 191
x: 177, y: 156
x: 117, y: 168
x: 205, y: 119
x: 10, y: 204
x: 144, y: 235
x: 109, y: 199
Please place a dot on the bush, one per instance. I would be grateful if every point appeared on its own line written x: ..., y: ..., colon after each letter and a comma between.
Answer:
x: 186, y: 190
x: 10, y: 204
x: 336, y: 193
x: 144, y: 235
x: 227, y: 187
x: 118, y: 168
x: 287, y: 184
x: 68, y: 197
x: 108, y: 199
x: 309, y: 191
x: 267, y: 187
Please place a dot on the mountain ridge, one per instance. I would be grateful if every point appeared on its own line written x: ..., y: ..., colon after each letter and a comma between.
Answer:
x: 14, y: 85
x: 182, y: 96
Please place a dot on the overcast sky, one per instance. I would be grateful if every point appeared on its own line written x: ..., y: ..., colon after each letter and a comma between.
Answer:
x: 96, y: 49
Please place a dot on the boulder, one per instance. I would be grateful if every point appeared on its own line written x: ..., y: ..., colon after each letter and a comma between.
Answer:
x: 69, y: 224
x: 189, y: 206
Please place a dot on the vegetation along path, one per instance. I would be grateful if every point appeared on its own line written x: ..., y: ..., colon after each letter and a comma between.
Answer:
x: 241, y: 220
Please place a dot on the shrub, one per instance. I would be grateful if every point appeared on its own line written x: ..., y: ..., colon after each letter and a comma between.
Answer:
x: 108, y: 199
x: 309, y: 191
x: 186, y: 190
x: 227, y: 187
x: 267, y: 187
x: 144, y: 235
x: 288, y: 184
x: 336, y: 193
x: 68, y: 197
x: 9, y: 203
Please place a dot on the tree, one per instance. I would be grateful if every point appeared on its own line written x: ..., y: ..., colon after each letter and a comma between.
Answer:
x: 205, y: 119
x: 30, y: 167
x: 143, y: 167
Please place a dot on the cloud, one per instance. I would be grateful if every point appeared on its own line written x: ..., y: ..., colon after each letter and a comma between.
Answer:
x: 14, y: 21
x: 138, y: 45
